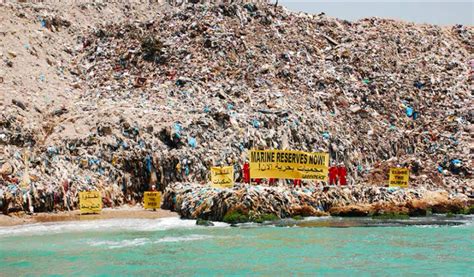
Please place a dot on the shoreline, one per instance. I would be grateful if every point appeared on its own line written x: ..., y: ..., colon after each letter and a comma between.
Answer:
x: 15, y: 219
x: 354, y: 212
x: 135, y: 213
x: 228, y: 206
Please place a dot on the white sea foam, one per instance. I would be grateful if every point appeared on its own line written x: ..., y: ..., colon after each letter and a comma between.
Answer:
x: 185, y: 238
x: 317, y: 218
x: 112, y: 244
x: 102, y: 225
x: 429, y: 226
x: 121, y: 243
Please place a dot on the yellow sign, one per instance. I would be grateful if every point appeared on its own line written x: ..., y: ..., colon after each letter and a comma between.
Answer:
x: 288, y: 164
x: 90, y: 202
x: 399, y: 177
x: 222, y: 177
x: 152, y: 199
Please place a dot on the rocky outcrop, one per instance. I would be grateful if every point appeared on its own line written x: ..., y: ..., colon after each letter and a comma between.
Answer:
x: 197, y: 201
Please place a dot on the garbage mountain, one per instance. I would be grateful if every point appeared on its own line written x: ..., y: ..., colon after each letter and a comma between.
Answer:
x: 159, y: 99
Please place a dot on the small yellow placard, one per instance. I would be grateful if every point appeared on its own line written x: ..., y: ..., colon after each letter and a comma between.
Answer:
x: 222, y: 177
x: 90, y: 202
x: 399, y: 177
x: 152, y: 199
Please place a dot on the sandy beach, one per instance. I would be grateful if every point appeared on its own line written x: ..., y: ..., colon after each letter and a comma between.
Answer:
x: 108, y: 213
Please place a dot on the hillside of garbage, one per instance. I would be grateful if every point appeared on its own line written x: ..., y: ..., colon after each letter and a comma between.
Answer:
x: 118, y: 97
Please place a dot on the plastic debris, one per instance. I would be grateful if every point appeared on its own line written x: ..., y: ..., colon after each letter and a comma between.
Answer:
x: 197, y: 201
x: 138, y: 97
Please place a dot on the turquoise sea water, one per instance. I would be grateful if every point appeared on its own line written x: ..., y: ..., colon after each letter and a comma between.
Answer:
x: 179, y: 247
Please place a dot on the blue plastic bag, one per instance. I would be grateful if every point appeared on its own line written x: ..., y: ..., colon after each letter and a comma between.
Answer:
x: 255, y: 123
x: 192, y: 142
x: 409, y: 111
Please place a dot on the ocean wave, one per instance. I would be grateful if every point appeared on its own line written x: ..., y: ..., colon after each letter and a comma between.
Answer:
x: 112, y: 244
x: 430, y: 226
x: 120, y: 244
x: 320, y: 218
x: 185, y: 238
x: 102, y: 225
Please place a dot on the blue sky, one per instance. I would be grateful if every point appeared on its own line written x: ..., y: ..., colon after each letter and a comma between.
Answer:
x: 434, y: 12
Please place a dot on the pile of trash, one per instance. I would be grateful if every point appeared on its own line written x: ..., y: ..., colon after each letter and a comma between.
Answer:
x: 195, y: 201
x: 160, y: 101
x: 219, y: 80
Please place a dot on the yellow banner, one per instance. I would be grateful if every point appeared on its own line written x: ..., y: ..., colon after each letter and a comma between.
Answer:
x: 222, y: 177
x: 152, y: 199
x: 288, y: 164
x: 90, y: 202
x: 399, y: 177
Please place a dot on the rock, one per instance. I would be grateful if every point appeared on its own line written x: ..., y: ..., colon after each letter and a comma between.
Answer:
x: 418, y: 208
x: 448, y: 207
x: 306, y: 210
x: 203, y: 222
x: 245, y: 201
x: 12, y: 54
x: 60, y: 111
x: 351, y: 210
x: 6, y: 169
x: 19, y: 104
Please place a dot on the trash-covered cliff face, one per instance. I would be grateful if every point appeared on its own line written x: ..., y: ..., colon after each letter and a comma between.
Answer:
x: 158, y: 97
x: 196, y: 201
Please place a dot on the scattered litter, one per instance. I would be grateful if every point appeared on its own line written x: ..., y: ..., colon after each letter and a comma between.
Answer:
x: 234, y: 78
